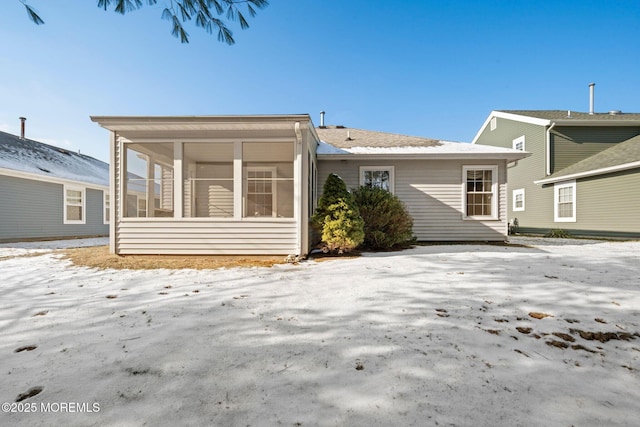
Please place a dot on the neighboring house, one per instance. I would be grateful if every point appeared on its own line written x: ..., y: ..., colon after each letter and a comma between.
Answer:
x: 582, y: 175
x: 249, y: 184
x: 48, y: 192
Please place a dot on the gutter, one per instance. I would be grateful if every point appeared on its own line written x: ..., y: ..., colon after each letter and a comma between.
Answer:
x: 548, y: 150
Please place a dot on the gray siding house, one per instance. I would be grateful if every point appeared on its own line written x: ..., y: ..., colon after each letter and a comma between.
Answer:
x: 582, y: 175
x: 249, y: 184
x: 48, y: 192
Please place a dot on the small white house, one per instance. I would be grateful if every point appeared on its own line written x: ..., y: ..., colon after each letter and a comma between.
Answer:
x: 249, y: 184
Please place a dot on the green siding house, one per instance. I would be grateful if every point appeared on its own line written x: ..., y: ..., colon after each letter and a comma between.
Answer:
x: 583, y: 173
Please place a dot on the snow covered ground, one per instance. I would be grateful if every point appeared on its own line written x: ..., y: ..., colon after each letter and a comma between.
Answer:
x: 462, y: 335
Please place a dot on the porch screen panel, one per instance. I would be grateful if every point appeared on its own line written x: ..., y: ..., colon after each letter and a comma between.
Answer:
x: 149, y: 180
x: 267, y: 179
x: 208, y: 180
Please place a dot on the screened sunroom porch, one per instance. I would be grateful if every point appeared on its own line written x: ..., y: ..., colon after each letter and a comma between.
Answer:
x: 232, y: 185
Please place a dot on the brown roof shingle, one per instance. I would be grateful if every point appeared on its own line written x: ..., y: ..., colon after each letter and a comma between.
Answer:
x: 343, y: 137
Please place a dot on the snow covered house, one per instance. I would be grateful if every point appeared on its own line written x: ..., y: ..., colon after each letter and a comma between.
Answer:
x: 249, y: 184
x: 48, y: 192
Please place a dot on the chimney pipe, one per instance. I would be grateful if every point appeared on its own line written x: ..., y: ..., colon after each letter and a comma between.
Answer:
x: 22, y: 120
x: 591, y: 96
x: 321, y: 119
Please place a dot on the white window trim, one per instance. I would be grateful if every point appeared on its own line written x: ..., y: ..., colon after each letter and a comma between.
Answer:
x: 106, y: 206
x: 390, y: 169
x: 494, y: 190
x: 517, y: 141
x: 556, y: 191
x: 82, y: 204
x: 493, y: 123
x: 519, y: 191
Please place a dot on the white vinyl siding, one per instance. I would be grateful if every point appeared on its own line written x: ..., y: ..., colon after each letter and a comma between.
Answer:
x: 206, y: 236
x: 377, y: 176
x: 564, y: 202
x: 480, y: 192
x: 74, y: 205
x: 518, y: 200
x: 431, y: 191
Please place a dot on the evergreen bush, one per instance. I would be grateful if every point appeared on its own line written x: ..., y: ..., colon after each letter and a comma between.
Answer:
x: 387, y: 223
x: 343, y: 228
x: 337, y: 218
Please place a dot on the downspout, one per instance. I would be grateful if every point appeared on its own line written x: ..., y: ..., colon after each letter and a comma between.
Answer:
x: 297, y: 189
x: 548, y: 150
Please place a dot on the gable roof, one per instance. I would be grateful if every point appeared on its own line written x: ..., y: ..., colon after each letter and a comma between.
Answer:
x: 622, y: 156
x: 562, y: 118
x: 49, y: 162
x: 343, y: 142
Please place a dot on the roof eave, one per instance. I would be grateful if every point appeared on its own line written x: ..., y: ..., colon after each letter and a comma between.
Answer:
x: 586, y: 174
x: 426, y: 156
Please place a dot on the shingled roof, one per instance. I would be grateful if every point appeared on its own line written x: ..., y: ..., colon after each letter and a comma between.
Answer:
x: 26, y: 155
x: 554, y: 115
x: 625, y: 155
x: 343, y: 137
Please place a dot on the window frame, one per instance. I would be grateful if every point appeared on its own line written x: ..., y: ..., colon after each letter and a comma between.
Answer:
x: 390, y: 169
x: 518, y: 140
x: 82, y: 204
x: 274, y: 190
x: 514, y: 194
x: 106, y: 206
x: 556, y: 200
x: 495, y: 215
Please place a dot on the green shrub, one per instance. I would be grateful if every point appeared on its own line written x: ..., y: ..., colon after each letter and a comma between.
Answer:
x: 342, y: 230
x: 387, y: 223
x: 333, y: 191
x: 336, y: 218
x: 558, y: 233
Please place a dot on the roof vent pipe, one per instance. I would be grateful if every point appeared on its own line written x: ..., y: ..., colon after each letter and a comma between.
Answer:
x: 22, y: 120
x: 591, y: 96
x: 321, y: 119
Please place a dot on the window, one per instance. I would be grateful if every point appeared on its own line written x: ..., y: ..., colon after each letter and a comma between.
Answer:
x: 377, y: 176
x: 518, y: 200
x: 149, y: 183
x: 480, y: 192
x: 564, y: 197
x: 107, y: 206
x: 494, y: 123
x: 74, y: 205
x: 267, y: 179
x: 518, y: 143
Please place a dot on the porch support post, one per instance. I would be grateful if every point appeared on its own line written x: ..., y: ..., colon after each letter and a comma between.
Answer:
x: 177, y: 180
x: 114, y: 194
x: 297, y: 188
x: 237, y: 180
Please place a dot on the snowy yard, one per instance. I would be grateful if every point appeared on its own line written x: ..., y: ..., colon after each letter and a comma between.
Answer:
x: 462, y: 335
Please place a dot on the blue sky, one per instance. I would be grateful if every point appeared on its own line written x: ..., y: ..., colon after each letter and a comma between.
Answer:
x: 426, y: 68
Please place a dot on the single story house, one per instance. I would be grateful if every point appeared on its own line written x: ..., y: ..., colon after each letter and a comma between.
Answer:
x: 48, y: 192
x: 249, y: 184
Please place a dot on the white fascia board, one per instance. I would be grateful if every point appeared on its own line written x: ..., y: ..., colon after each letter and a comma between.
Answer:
x: 594, y: 172
x: 510, y: 116
x: 53, y: 180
